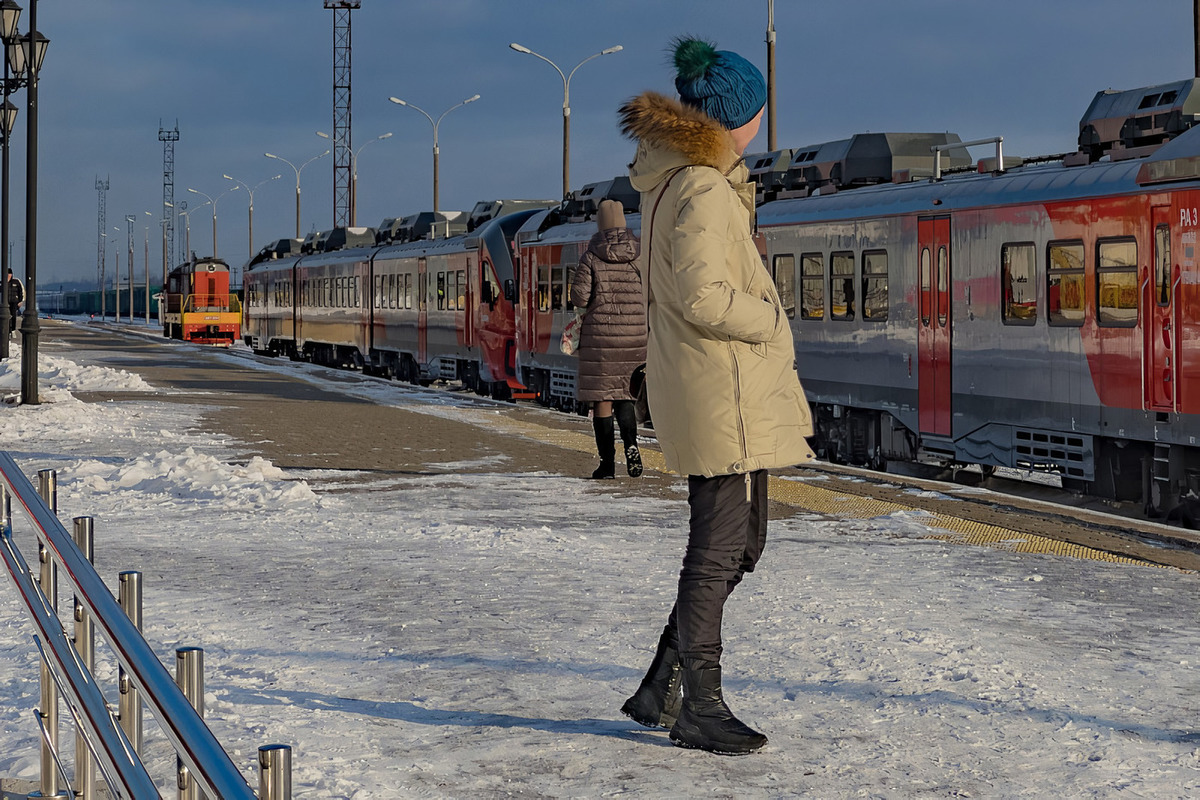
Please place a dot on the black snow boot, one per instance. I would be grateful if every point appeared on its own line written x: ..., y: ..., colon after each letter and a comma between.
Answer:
x: 603, y: 426
x: 655, y: 704
x: 627, y: 422
x: 706, y: 723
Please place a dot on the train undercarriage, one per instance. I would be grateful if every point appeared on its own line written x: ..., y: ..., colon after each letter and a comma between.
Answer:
x: 1163, y: 478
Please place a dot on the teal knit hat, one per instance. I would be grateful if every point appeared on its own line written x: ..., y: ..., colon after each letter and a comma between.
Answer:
x: 720, y: 83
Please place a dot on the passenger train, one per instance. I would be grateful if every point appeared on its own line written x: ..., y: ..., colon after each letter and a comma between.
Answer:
x: 1039, y: 314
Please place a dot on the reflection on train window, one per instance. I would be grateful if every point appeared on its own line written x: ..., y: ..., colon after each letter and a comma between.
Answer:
x: 461, y: 294
x: 543, y: 292
x: 1162, y: 265
x: 812, y: 286
x: 422, y: 287
x: 1064, y: 283
x: 1116, y: 283
x: 1018, y: 284
x: 558, y: 289
x: 785, y: 283
x: 925, y: 284
x: 943, y: 285
x: 408, y: 290
x: 841, y: 285
x: 875, y: 285
x: 441, y: 291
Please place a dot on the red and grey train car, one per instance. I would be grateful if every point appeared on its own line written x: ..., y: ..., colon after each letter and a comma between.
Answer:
x: 418, y: 310
x: 1043, y: 316
x: 198, y: 305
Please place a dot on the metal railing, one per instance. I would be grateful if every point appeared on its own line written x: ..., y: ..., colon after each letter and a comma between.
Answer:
x: 66, y: 670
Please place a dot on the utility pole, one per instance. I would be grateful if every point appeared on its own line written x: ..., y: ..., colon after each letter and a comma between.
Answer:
x: 771, y: 75
x: 168, y: 138
x: 342, y: 132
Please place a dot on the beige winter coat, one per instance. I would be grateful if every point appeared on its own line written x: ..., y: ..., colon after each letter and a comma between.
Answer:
x: 720, y: 367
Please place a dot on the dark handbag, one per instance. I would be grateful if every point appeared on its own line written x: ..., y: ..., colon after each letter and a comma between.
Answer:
x: 637, y: 388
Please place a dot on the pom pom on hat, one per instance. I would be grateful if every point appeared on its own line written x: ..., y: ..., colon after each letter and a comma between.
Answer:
x: 720, y: 83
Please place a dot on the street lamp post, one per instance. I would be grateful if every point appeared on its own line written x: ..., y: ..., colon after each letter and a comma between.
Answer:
x: 214, y: 210
x: 129, y: 220
x: 435, y: 125
x: 10, y: 12
x: 297, y: 169
x: 354, y: 172
x: 250, y: 191
x: 566, y: 78
x: 187, y: 223
x: 146, y: 264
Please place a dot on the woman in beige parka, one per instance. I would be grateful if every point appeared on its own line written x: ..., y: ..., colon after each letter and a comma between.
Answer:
x: 720, y: 370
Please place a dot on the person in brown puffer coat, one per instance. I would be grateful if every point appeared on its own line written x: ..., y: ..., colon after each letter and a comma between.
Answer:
x: 612, y: 341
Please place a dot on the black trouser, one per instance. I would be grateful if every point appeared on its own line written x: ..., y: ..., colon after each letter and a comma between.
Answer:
x: 726, y: 537
x: 12, y: 322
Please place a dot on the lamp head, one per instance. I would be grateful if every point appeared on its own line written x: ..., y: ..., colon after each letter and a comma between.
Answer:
x: 610, y: 50
x: 471, y: 99
x: 520, y: 48
x: 10, y: 12
x: 397, y: 101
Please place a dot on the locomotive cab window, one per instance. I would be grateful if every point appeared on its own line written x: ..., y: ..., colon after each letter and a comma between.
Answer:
x: 841, y: 285
x: 1018, y: 284
x: 1064, y: 283
x: 1116, y: 283
x: 875, y: 285
x: 812, y: 286
x: 785, y: 283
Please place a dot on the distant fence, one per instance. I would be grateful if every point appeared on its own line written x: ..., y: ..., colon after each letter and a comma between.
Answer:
x: 113, y: 742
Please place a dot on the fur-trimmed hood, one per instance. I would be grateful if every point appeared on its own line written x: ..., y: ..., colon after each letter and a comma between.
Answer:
x: 671, y: 135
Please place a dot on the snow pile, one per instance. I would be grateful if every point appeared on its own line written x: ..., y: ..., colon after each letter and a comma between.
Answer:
x: 194, y: 478
x: 58, y: 377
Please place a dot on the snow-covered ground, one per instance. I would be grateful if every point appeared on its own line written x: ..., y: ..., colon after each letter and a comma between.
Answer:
x: 474, y: 635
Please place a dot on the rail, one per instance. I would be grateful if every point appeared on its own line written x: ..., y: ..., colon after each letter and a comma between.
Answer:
x: 197, y: 748
x: 938, y: 148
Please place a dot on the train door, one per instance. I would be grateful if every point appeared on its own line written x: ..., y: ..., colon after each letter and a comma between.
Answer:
x: 1161, y: 330
x: 933, y: 335
x: 466, y: 305
x: 422, y: 312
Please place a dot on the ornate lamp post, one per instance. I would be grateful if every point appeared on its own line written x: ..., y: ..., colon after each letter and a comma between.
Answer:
x: 566, y: 78
x: 293, y: 166
x: 10, y: 12
x: 354, y: 173
x: 250, y: 191
x: 435, y: 125
x: 26, y: 56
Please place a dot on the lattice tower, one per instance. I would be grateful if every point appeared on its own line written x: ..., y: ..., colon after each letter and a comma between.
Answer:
x: 101, y: 215
x: 343, y: 153
x: 169, y: 138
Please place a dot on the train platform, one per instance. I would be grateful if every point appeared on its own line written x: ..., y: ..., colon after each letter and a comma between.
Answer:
x: 416, y: 591
x: 280, y: 411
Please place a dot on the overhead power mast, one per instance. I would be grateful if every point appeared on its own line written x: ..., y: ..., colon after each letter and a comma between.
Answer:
x: 343, y: 213
x: 168, y: 138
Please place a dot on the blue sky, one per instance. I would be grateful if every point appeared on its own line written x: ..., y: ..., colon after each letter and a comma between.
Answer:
x: 243, y: 78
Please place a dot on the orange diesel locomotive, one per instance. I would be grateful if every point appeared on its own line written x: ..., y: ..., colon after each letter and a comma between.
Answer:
x: 198, y: 306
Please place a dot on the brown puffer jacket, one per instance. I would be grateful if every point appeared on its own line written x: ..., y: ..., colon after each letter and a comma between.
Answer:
x: 613, y: 340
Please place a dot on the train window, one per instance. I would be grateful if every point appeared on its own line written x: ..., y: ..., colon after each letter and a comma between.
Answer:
x: 841, y: 285
x: 785, y: 283
x: 1064, y: 283
x: 543, y: 295
x: 461, y: 294
x: 943, y: 285
x: 1018, y: 284
x: 925, y: 285
x: 1116, y: 283
x: 875, y: 285
x: 1162, y: 265
x: 422, y: 287
x: 812, y: 286
x: 441, y: 291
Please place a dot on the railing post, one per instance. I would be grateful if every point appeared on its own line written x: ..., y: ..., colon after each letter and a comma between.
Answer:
x: 189, y: 676
x: 275, y: 772
x: 129, y: 706
x: 48, y: 579
x: 85, y: 765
